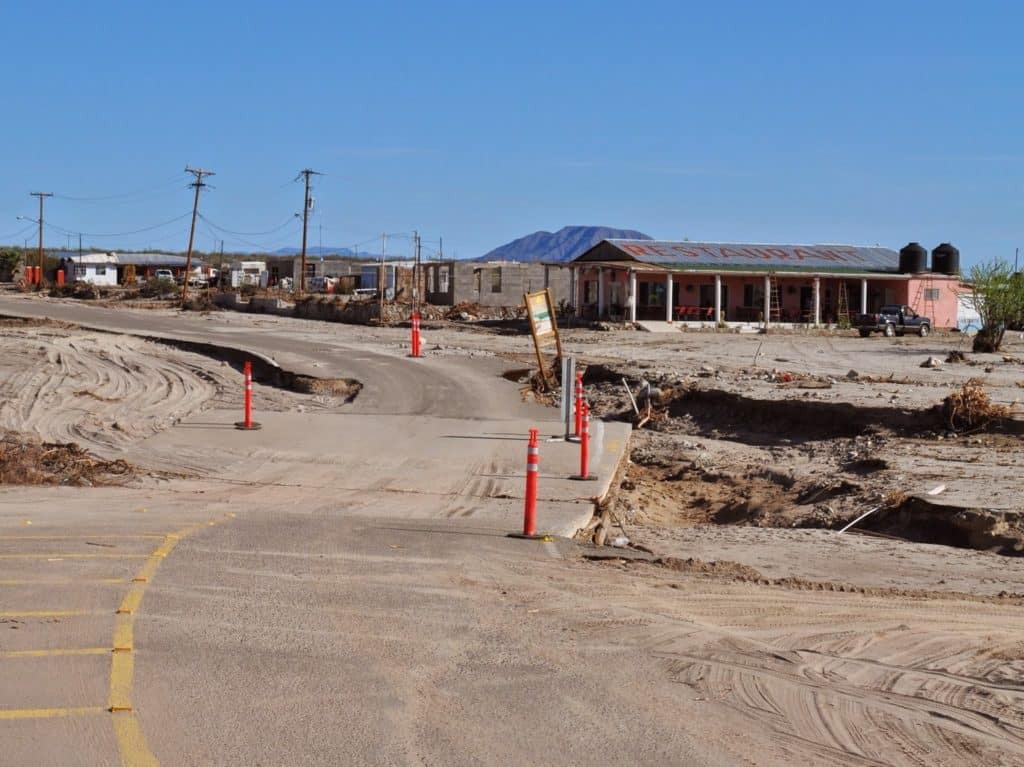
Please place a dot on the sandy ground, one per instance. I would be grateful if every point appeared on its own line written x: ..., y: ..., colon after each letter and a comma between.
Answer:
x: 797, y: 646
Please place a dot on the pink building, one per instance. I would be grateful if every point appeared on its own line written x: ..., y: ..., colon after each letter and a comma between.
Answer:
x: 695, y: 282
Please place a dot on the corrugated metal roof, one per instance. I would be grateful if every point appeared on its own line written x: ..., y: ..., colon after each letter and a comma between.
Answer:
x: 745, y: 256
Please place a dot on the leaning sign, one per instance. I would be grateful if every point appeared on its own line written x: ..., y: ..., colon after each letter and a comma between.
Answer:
x: 541, y: 312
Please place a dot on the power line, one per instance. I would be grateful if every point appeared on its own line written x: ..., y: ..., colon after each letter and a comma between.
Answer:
x: 197, y: 185
x: 62, y: 230
x: 16, y: 235
x: 290, y: 220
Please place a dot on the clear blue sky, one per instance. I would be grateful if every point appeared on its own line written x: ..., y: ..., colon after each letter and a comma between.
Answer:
x: 766, y: 122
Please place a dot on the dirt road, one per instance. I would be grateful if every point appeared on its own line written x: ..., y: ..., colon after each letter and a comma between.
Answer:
x: 336, y: 613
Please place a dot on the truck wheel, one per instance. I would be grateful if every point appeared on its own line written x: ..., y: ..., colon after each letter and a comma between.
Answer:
x: 924, y: 330
x: 864, y: 333
x: 890, y: 330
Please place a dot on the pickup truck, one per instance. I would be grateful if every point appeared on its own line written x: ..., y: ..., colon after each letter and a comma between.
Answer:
x: 893, y: 320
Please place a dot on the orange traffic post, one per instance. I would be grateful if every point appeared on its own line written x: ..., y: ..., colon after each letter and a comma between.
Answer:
x: 248, y: 424
x: 530, y: 502
x: 415, y: 335
x: 585, y: 447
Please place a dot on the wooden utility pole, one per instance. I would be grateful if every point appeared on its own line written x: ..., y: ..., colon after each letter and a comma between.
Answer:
x: 306, y: 205
x: 197, y: 185
x: 41, y: 196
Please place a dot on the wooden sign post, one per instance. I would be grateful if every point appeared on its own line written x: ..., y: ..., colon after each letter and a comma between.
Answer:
x: 541, y: 311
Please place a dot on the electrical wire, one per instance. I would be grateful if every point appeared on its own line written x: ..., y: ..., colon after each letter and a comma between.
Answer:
x: 16, y: 235
x: 288, y: 221
x: 64, y: 231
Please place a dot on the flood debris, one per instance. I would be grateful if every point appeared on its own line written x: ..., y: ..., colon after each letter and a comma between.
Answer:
x: 26, y: 460
x: 971, y: 408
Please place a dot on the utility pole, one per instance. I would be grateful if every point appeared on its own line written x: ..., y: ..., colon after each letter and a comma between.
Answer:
x: 306, y: 205
x: 197, y: 185
x: 382, y: 277
x: 41, y: 196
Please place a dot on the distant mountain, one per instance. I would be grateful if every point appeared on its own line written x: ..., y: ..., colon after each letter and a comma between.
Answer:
x: 317, y: 251
x: 563, y: 245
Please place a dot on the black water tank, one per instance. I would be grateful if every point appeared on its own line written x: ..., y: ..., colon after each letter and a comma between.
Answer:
x: 946, y: 259
x: 913, y: 259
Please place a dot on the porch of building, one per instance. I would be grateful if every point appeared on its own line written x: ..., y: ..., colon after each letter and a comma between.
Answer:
x: 634, y: 292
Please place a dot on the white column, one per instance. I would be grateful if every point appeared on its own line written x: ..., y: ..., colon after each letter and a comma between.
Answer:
x: 718, y: 298
x: 767, y: 299
x: 632, y: 295
x: 817, y: 301
x: 864, y: 295
x: 600, y: 292
x: 668, y: 297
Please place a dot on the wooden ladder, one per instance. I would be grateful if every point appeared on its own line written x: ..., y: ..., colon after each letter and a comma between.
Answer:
x: 843, y: 307
x: 774, y: 302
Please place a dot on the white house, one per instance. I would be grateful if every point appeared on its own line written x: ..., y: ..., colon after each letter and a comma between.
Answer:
x: 96, y: 268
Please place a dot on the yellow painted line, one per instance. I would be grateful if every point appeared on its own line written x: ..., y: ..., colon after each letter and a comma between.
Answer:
x: 123, y: 632
x: 132, y: 599
x: 131, y: 742
x: 44, y: 613
x: 49, y: 713
x: 83, y: 537
x: 63, y: 582
x: 72, y: 555
x: 122, y: 671
x: 56, y: 652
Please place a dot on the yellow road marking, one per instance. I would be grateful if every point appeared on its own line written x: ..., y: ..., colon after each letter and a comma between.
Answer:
x: 44, y: 613
x: 58, y: 651
x: 62, y: 582
x: 49, y: 713
x: 131, y: 742
x: 130, y: 739
x: 97, y: 536
x: 72, y: 555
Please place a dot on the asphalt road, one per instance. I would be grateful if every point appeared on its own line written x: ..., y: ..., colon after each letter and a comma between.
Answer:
x: 335, y: 589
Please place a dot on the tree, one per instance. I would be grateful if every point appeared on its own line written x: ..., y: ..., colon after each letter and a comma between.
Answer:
x: 997, y: 295
x: 9, y: 261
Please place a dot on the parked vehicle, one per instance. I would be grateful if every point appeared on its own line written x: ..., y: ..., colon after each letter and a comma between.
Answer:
x: 893, y: 320
x: 164, y: 274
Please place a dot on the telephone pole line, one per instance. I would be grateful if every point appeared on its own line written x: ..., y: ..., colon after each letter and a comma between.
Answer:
x: 42, y: 196
x: 197, y: 184
x: 306, y: 205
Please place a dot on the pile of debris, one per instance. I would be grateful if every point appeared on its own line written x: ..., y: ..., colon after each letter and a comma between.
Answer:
x: 28, y: 461
x: 971, y: 408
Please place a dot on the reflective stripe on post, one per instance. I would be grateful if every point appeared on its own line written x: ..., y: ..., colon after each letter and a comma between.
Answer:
x: 248, y: 394
x: 579, y: 403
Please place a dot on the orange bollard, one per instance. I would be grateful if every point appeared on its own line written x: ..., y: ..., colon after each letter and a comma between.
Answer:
x: 60, y: 277
x: 532, y: 467
x: 415, y: 335
x: 585, y: 447
x: 248, y: 424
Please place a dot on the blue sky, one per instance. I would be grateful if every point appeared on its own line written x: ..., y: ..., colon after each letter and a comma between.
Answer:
x: 765, y: 122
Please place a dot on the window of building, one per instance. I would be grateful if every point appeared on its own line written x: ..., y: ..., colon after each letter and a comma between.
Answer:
x: 79, y: 271
x: 932, y: 294
x: 101, y: 271
x: 652, y: 293
x: 590, y: 291
x: 430, y: 279
x: 753, y: 295
x: 477, y: 279
x: 496, y: 280
x: 442, y: 278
